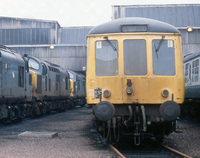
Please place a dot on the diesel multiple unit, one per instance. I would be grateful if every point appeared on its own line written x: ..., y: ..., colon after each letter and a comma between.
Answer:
x: 135, y: 79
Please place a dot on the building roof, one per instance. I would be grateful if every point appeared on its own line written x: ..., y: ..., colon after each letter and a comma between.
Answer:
x: 27, y: 19
x: 179, y: 15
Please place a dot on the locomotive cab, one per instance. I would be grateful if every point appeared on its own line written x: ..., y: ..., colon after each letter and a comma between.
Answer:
x: 50, y: 86
x: 135, y: 78
x: 77, y: 85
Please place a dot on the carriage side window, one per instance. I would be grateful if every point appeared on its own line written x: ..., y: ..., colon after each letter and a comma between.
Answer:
x: 163, y: 57
x: 135, y: 57
x: 106, y: 54
x: 187, y: 72
x: 21, y: 76
x: 7, y: 66
x: 195, y: 71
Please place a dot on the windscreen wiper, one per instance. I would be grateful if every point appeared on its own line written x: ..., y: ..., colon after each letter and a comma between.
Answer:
x: 159, y: 44
x: 110, y: 43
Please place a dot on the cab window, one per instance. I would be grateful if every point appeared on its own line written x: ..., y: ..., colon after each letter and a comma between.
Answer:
x: 106, y: 57
x: 33, y: 64
x: 135, y: 57
x: 163, y: 57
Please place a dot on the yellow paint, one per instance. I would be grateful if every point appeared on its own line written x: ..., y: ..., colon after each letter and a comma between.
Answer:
x: 34, y: 82
x: 146, y: 89
x: 71, y: 88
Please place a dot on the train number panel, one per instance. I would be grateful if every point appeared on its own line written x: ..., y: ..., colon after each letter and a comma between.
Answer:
x: 135, y: 79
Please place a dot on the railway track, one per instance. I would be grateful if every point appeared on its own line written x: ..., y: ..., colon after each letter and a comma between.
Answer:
x: 149, y: 149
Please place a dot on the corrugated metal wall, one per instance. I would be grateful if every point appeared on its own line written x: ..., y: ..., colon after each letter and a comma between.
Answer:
x: 67, y: 56
x: 14, y: 23
x: 26, y: 36
x: 190, y: 41
x: 181, y: 16
x: 34, y: 37
x: 74, y: 35
x: 15, y: 31
x: 177, y: 15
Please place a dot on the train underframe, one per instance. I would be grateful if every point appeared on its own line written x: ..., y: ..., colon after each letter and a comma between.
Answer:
x: 191, y: 109
x: 77, y: 101
x: 11, y: 112
x: 136, y: 122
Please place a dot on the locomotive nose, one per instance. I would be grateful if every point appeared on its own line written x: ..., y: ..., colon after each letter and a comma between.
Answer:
x: 104, y: 110
x: 169, y: 110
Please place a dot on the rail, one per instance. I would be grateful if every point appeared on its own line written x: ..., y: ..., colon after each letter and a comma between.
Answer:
x: 164, y: 146
x: 178, y: 152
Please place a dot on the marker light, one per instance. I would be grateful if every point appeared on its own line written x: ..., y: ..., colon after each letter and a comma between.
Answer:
x: 106, y: 93
x: 165, y: 93
x: 129, y: 83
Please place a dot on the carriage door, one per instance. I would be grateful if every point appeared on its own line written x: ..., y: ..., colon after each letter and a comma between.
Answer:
x: 44, y: 74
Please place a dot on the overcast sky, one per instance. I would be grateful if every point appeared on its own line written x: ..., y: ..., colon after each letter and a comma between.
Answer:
x: 73, y: 12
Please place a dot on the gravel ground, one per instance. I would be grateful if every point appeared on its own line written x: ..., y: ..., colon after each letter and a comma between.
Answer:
x: 188, y: 141
x: 76, y: 137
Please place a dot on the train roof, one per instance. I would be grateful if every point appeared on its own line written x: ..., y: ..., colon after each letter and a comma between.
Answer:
x: 8, y: 52
x: 191, y: 56
x: 134, y: 24
x: 7, y: 49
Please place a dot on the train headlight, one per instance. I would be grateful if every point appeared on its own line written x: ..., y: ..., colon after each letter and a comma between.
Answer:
x: 165, y: 93
x: 106, y: 93
x: 129, y: 90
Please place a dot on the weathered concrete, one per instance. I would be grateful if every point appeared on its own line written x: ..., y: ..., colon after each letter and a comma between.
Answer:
x: 38, y: 134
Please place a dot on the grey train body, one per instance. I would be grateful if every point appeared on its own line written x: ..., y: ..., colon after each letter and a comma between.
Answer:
x: 30, y: 86
x: 79, y: 89
x: 191, y: 106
